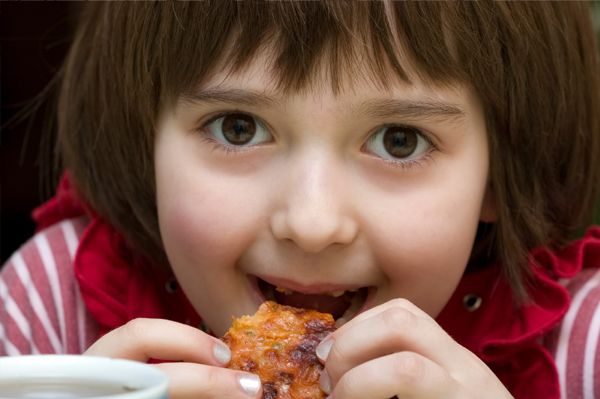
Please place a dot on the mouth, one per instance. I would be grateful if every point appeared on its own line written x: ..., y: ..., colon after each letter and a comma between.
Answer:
x: 343, y: 305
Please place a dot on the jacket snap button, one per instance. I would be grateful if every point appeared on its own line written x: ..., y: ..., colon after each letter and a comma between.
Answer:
x: 171, y: 286
x: 471, y: 302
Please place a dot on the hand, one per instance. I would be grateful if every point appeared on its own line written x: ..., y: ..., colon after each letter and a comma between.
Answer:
x: 200, y: 359
x: 397, y: 349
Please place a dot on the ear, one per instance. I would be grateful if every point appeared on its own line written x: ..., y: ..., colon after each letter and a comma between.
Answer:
x: 488, y: 206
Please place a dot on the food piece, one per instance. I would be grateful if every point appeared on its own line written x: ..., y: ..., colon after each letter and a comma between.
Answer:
x: 278, y: 343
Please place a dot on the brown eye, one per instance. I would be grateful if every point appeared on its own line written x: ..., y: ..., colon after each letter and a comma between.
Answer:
x: 400, y: 141
x: 239, y: 129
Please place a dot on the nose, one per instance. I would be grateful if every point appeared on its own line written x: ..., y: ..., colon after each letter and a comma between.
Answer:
x: 315, y: 205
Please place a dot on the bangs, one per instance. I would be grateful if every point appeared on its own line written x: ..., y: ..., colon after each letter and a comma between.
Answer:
x: 308, y: 44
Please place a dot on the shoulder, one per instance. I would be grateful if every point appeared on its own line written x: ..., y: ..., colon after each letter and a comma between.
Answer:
x: 55, y: 244
x: 49, y: 253
x: 41, y: 310
x: 574, y: 343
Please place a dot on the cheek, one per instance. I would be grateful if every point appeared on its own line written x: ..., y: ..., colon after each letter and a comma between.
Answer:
x: 184, y: 232
x: 189, y: 214
x: 432, y: 244
x: 200, y: 229
x: 426, y: 239
x: 206, y: 213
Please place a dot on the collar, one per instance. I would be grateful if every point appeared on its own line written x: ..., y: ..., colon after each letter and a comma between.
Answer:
x: 118, y: 286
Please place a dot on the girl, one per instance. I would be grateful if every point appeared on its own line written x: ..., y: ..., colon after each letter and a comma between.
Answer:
x: 415, y: 169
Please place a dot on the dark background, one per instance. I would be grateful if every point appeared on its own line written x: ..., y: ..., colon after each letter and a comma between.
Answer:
x: 34, y: 38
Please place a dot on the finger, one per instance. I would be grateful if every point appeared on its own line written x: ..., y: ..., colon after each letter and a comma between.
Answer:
x: 394, y: 303
x: 143, y: 339
x: 325, y: 346
x: 395, y: 329
x: 191, y: 380
x: 405, y: 375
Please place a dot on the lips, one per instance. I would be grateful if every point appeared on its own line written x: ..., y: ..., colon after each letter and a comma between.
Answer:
x: 341, y: 304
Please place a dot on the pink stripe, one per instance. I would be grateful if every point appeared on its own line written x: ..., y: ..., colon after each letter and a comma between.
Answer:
x: 11, y: 329
x: 580, y: 279
x: 12, y: 332
x: 577, y: 341
x: 91, y: 328
x: 41, y: 283
x: 6, y: 347
x: 40, y: 338
x: 597, y: 372
x: 18, y: 293
x: 62, y: 259
x: 76, y: 327
x: 38, y: 332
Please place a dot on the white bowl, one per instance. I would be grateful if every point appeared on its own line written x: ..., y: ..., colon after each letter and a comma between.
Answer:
x: 72, y: 376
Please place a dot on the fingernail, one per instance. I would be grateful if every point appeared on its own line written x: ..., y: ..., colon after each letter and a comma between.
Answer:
x: 323, y: 349
x: 222, y: 353
x: 250, y: 383
x: 325, y: 382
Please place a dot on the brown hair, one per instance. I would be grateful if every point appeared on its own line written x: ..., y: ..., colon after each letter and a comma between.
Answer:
x: 533, y: 64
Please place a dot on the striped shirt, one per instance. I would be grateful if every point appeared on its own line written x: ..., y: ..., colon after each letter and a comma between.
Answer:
x: 41, y: 308
x: 42, y: 311
x: 574, y: 343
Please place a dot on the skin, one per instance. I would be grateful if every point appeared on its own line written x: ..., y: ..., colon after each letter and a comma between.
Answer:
x: 315, y: 205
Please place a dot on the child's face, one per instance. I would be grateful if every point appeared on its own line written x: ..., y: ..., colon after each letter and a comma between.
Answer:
x: 368, y: 190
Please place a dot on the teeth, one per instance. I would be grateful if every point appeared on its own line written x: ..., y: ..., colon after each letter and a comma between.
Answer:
x: 355, y: 304
x: 334, y: 294
x: 286, y: 291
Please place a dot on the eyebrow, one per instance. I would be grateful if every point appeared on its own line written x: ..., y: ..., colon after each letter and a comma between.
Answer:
x: 379, y: 108
x: 421, y: 108
x: 229, y: 96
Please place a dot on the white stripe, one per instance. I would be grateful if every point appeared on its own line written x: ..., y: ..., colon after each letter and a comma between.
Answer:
x: 9, y: 348
x: 43, y: 246
x: 565, y: 332
x: 591, y: 345
x: 70, y: 237
x: 15, y: 313
x: 72, y: 243
x: 36, y: 302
